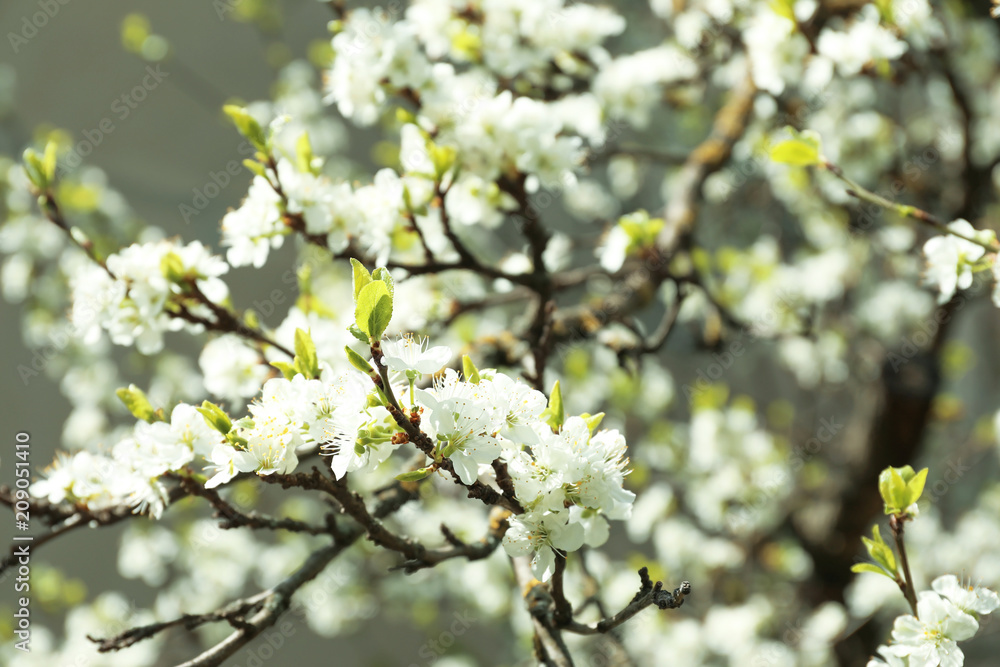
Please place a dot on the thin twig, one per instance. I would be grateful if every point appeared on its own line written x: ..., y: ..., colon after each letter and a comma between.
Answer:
x: 649, y: 594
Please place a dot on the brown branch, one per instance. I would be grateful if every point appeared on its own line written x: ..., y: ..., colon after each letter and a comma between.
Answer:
x: 709, y: 156
x: 229, y: 324
x: 897, y: 524
x: 233, y: 518
x: 63, y: 518
x: 549, y: 645
x: 487, y: 494
x: 649, y: 594
x: 539, y: 332
x: 563, y: 609
x: 460, y: 549
x: 267, y: 605
x: 50, y: 207
x: 234, y: 613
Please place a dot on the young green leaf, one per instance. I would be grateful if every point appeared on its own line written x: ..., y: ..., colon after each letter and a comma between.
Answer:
x: 374, y: 309
x: 215, y: 417
x: 554, y: 415
x: 469, y: 370
x: 442, y: 157
x: 880, y: 552
x: 415, y: 475
x: 247, y: 126
x: 803, y: 150
x: 35, y: 170
x: 900, y: 488
x: 304, y: 154
x: 172, y: 267
x: 137, y: 403
x: 593, y: 421
x: 48, y: 164
x: 361, y: 277
x: 255, y: 167
x: 288, y: 371
x: 358, y: 361
x: 783, y: 8
x: 359, y: 334
x: 382, y: 273
x: 306, y: 361
x: 870, y: 567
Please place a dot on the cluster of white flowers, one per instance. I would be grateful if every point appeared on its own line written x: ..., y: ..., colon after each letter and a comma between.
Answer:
x: 130, y: 473
x: 329, y: 411
x: 133, y: 300
x: 945, y: 616
x: 568, y: 478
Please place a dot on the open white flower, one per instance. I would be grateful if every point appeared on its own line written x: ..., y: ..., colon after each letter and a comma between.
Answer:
x: 932, y: 639
x: 464, y: 429
x: 949, y: 259
x: 970, y: 599
x: 409, y: 355
x: 519, y: 406
x: 229, y: 462
x: 540, y: 534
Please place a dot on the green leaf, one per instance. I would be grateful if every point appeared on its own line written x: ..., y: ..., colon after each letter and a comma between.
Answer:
x: 380, y: 317
x: 306, y: 361
x: 35, y: 170
x: 255, y: 167
x: 374, y: 309
x: 287, y: 370
x: 442, y: 157
x: 870, y: 567
x: 304, y: 154
x: 172, y: 267
x: 469, y: 370
x: 358, y: 361
x: 554, y: 415
x: 915, y: 487
x: 885, y: 11
x: 215, y: 417
x: 900, y: 488
x: 49, y: 161
x: 137, y: 403
x: 382, y: 273
x: 879, y: 551
x: 359, y: 334
x: 803, y: 150
x: 247, y: 126
x: 415, y: 475
x: 593, y: 421
x: 361, y: 277
x: 784, y: 8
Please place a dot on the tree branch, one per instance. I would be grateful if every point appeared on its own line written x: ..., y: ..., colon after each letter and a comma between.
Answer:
x: 649, y: 594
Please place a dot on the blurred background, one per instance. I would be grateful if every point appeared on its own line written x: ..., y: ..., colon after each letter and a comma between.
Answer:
x: 79, y: 72
x: 72, y: 74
